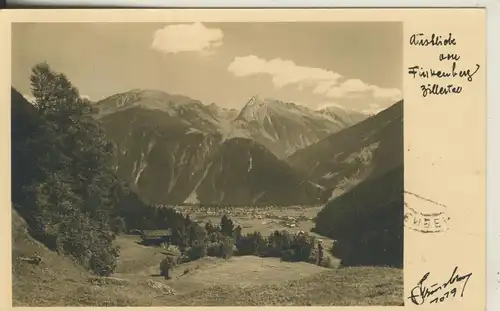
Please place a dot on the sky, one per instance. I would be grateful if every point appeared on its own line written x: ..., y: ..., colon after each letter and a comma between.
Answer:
x: 357, y: 65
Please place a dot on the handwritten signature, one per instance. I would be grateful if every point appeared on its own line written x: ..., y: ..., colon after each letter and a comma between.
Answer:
x: 439, y: 292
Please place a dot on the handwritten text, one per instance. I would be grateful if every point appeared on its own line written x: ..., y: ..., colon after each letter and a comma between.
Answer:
x: 450, y: 69
x: 439, y: 292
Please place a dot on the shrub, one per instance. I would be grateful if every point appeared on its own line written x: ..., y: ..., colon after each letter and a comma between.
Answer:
x: 277, y: 242
x: 288, y: 255
x: 216, y: 236
x: 213, y: 249
x: 198, y: 250
x: 303, y: 245
x: 251, y: 244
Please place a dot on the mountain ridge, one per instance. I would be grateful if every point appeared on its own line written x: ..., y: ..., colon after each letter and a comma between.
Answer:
x: 283, y: 127
x: 188, y: 152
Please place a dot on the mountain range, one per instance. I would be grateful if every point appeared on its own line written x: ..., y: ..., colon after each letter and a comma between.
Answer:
x: 282, y: 127
x: 173, y: 149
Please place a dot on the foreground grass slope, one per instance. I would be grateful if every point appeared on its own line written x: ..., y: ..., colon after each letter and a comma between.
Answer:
x: 58, y: 281
x: 338, y: 287
x: 247, y: 280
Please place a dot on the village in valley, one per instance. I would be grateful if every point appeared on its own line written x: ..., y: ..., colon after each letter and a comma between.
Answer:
x: 276, y: 216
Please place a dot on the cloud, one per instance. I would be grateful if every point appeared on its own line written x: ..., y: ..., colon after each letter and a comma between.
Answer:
x: 325, y: 105
x: 187, y: 38
x: 31, y: 98
x: 372, y: 109
x: 392, y: 93
x: 323, y: 82
x: 357, y: 88
x: 282, y: 72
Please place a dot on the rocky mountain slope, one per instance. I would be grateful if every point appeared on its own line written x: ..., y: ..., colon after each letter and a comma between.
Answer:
x: 285, y: 127
x: 245, y: 172
x: 173, y: 149
x: 371, y: 147
x: 282, y: 127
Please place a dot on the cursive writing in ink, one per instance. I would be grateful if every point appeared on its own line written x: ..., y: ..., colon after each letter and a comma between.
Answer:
x: 441, y: 74
x: 439, y: 292
x: 434, y: 40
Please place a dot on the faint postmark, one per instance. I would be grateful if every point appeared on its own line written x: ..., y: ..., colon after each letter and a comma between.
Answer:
x: 425, y: 215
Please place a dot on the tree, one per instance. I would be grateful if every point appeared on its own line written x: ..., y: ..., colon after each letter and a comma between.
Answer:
x: 210, y: 228
x: 226, y: 226
x: 196, y: 234
x: 68, y: 197
x: 237, y: 233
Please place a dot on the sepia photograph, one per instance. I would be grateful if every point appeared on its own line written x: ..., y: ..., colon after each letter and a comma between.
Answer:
x: 207, y: 164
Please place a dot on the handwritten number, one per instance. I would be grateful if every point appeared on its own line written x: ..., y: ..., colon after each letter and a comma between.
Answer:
x: 454, y: 292
x: 422, y: 290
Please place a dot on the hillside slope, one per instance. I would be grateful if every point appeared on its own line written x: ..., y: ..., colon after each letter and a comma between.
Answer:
x: 340, y: 161
x: 162, y: 159
x: 359, y: 286
x: 367, y: 221
x: 58, y: 281
x: 244, y: 172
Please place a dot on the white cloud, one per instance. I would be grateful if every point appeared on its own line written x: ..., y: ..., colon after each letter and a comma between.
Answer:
x: 358, y: 88
x: 373, y: 109
x: 187, y: 38
x: 324, y: 82
x: 380, y: 93
x: 328, y: 104
x: 283, y: 72
x: 31, y: 98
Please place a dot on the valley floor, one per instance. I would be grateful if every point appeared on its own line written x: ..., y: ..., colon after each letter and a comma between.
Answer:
x: 246, y: 280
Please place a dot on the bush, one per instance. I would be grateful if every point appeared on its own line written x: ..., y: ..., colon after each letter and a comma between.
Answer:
x: 198, y: 250
x: 213, y: 249
x: 216, y: 236
x: 251, y: 244
x: 277, y: 242
x: 288, y: 255
x: 301, y: 248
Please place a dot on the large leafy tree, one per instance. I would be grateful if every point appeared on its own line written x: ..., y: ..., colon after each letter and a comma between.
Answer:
x: 63, y: 183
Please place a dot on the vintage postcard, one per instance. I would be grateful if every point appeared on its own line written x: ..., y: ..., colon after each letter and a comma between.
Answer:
x: 244, y: 157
